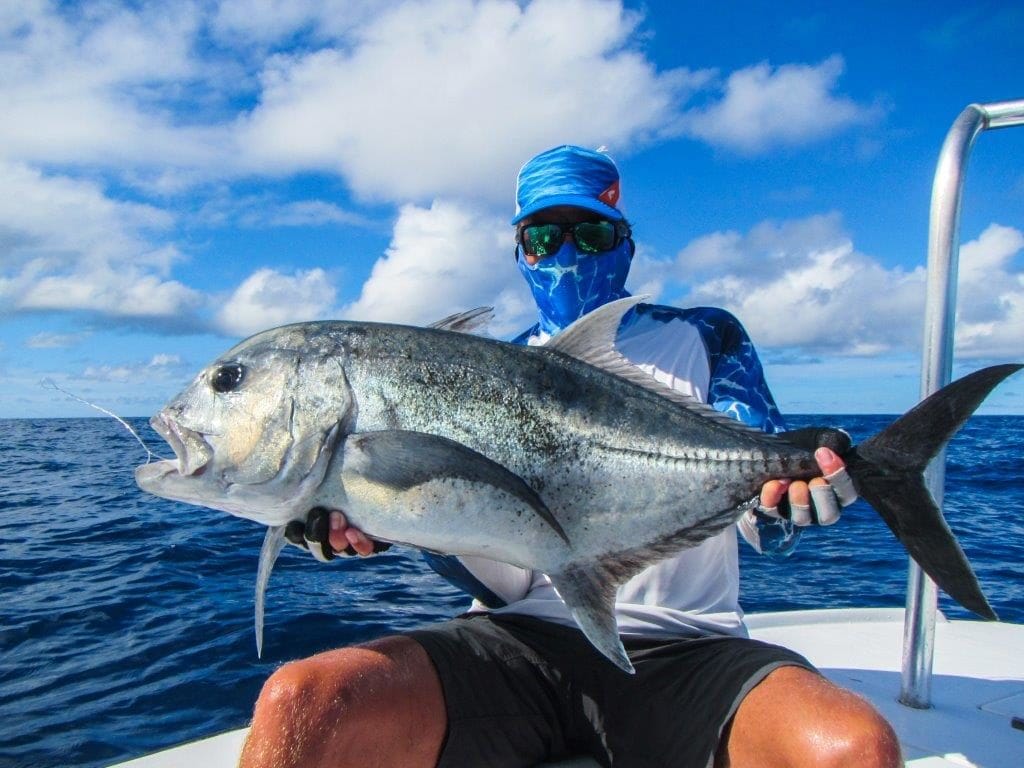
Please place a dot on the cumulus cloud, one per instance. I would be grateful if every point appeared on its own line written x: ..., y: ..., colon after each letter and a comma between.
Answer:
x: 128, y: 105
x: 764, y: 106
x: 803, y: 284
x: 761, y: 252
x: 990, y: 295
x: 268, y: 298
x: 266, y: 22
x: 443, y: 259
x: 66, y: 246
x: 462, y: 105
x: 138, y: 90
x: 97, y: 84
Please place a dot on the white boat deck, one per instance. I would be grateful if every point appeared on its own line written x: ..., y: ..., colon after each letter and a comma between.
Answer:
x: 977, y: 689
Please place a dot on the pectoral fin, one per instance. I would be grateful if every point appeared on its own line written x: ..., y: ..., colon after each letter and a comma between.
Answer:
x: 400, y: 460
x: 273, y: 543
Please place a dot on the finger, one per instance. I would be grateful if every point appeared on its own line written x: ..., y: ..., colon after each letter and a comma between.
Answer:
x: 800, y: 503
x: 337, y: 533
x: 842, y: 486
x: 828, y: 460
x: 317, y: 530
x: 295, y: 533
x: 826, y: 505
x: 798, y: 493
x: 359, y: 541
x: 772, y: 493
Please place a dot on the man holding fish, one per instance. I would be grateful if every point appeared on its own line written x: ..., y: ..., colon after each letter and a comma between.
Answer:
x: 514, y: 682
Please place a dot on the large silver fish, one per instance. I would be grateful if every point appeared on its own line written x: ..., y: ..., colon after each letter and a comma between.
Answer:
x: 565, y: 458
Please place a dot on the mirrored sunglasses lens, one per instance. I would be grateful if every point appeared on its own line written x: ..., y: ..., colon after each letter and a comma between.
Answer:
x: 594, y: 237
x: 542, y: 239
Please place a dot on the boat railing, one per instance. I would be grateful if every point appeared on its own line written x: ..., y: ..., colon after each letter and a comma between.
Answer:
x: 937, y: 361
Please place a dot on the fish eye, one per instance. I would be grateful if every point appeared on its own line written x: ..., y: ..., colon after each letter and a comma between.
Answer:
x: 227, y: 377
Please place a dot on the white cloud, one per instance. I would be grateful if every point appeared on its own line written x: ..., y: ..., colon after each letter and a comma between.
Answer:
x: 990, y: 295
x: 269, y: 21
x: 415, y: 100
x: 444, y: 259
x: 47, y: 340
x: 260, y: 211
x: 437, y: 99
x: 164, y: 360
x: 406, y: 100
x: 312, y: 213
x: 97, y: 83
x: 647, y: 274
x: 162, y: 367
x: 761, y: 252
x: 803, y: 284
x: 66, y: 246
x: 764, y: 107
x: 268, y: 298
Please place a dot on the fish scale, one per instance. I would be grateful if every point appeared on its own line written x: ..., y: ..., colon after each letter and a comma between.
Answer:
x: 546, y: 458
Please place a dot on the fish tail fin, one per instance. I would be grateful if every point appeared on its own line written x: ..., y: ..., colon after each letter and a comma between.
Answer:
x: 888, y: 472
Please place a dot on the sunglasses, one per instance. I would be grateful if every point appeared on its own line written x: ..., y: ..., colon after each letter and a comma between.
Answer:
x: 542, y: 240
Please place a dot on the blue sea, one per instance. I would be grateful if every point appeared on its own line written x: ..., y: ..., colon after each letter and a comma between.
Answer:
x: 126, y: 621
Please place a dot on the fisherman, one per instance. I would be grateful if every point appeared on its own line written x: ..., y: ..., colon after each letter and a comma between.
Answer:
x: 514, y: 682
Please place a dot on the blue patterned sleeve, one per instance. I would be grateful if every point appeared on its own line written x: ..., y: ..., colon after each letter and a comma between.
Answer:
x: 737, y: 387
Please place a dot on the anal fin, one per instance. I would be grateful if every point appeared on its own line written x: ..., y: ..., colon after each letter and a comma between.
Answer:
x: 591, y: 600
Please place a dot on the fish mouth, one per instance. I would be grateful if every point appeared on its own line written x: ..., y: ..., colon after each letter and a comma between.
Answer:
x: 192, y: 452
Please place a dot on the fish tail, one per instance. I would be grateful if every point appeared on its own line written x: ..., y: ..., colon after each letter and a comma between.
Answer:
x: 888, y: 472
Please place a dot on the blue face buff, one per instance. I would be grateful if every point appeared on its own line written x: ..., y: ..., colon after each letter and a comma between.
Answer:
x: 568, y: 284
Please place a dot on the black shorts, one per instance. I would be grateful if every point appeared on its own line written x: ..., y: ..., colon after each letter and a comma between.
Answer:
x: 520, y: 691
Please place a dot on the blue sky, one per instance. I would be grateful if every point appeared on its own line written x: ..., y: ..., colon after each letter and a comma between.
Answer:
x: 174, y: 177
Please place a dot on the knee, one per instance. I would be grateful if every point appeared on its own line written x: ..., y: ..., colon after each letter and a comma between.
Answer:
x: 862, y: 739
x: 299, y: 710
x: 288, y: 687
x: 302, y: 687
x: 378, y: 704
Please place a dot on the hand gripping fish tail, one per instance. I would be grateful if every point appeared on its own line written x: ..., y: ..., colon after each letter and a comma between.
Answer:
x: 888, y: 471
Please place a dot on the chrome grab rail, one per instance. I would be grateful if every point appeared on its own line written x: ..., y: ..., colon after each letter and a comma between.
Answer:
x: 937, y: 362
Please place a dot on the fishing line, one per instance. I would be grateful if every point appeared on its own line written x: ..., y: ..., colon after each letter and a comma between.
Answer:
x: 51, y: 384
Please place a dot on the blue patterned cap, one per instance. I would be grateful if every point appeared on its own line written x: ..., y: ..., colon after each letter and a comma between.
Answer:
x: 568, y: 175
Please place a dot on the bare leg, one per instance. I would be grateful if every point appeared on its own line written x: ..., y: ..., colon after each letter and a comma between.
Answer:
x: 797, y: 718
x: 378, y: 704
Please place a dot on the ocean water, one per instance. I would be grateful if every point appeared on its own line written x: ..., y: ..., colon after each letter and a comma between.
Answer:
x: 126, y: 621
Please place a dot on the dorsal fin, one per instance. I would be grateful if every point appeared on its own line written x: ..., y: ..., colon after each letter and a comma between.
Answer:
x: 594, y: 333
x: 592, y: 340
x: 470, y: 321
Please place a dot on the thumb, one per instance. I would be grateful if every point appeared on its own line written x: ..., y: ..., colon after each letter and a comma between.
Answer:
x: 828, y: 460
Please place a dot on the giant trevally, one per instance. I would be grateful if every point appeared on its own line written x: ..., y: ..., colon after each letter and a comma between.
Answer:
x: 565, y: 458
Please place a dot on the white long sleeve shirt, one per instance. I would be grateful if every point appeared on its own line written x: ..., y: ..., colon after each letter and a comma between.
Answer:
x: 704, y: 353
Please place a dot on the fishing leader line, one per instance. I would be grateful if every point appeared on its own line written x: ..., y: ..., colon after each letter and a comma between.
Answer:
x: 49, y: 383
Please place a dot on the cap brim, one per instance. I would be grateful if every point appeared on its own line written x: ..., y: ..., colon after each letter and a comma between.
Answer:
x: 577, y: 201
